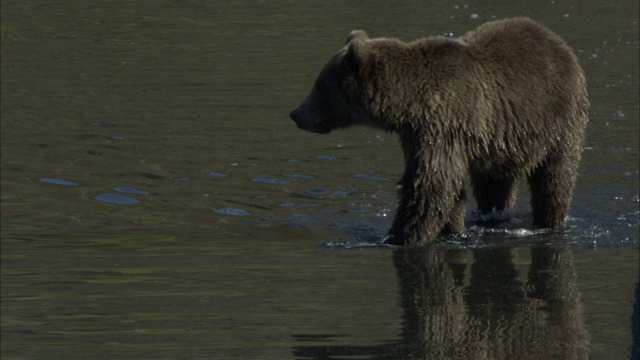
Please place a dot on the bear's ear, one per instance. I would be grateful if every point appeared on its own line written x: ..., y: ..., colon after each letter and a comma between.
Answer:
x: 359, y: 34
x: 357, y: 52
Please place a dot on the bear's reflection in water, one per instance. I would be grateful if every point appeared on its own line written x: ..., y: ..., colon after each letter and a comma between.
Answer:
x: 493, y: 313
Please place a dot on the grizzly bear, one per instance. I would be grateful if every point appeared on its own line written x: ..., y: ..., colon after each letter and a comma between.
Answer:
x: 506, y: 100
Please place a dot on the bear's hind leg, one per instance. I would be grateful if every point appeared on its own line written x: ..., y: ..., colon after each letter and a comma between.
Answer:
x: 490, y: 194
x: 551, y: 187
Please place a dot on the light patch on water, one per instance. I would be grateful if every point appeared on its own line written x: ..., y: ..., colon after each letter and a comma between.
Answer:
x: 263, y: 180
x: 286, y: 204
x: 300, y: 176
x: 60, y: 182
x: 370, y: 177
x: 130, y: 190
x: 317, y: 192
x: 232, y: 211
x: 218, y: 174
x: 342, y: 244
x: 116, y: 199
x: 325, y: 158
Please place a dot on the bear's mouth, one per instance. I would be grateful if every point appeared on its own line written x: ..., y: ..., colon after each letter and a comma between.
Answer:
x: 315, y: 128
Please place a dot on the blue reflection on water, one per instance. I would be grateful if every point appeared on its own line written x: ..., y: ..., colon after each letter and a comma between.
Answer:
x: 116, y: 199
x: 58, y: 182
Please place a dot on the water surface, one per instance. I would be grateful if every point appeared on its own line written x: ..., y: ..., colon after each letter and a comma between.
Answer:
x: 157, y: 202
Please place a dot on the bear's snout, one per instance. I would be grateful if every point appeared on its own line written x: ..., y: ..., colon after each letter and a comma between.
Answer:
x: 297, y: 118
x: 294, y: 116
x: 305, y: 123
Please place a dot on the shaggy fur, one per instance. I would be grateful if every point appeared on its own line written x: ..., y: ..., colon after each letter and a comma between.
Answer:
x: 506, y: 100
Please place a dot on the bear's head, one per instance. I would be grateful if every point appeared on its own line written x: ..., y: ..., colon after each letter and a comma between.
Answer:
x: 336, y: 98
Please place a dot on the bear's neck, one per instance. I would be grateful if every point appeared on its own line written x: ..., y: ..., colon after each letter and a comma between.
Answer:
x: 395, y: 96
x: 401, y: 91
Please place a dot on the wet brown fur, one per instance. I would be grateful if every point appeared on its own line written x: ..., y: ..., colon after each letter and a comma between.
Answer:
x: 506, y: 100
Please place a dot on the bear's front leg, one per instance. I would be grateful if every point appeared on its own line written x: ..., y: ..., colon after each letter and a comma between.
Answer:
x: 420, y: 222
x: 455, y: 224
x: 431, y: 203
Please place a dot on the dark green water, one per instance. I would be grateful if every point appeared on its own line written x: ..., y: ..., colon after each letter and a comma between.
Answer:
x: 157, y: 202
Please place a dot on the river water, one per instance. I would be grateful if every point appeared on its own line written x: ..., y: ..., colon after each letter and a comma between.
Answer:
x: 158, y: 203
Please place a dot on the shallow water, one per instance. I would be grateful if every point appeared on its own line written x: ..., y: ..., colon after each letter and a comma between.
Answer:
x: 157, y: 202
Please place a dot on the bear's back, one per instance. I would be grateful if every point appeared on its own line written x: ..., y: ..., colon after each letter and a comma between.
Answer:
x: 514, y: 34
x: 522, y: 60
x: 521, y: 47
